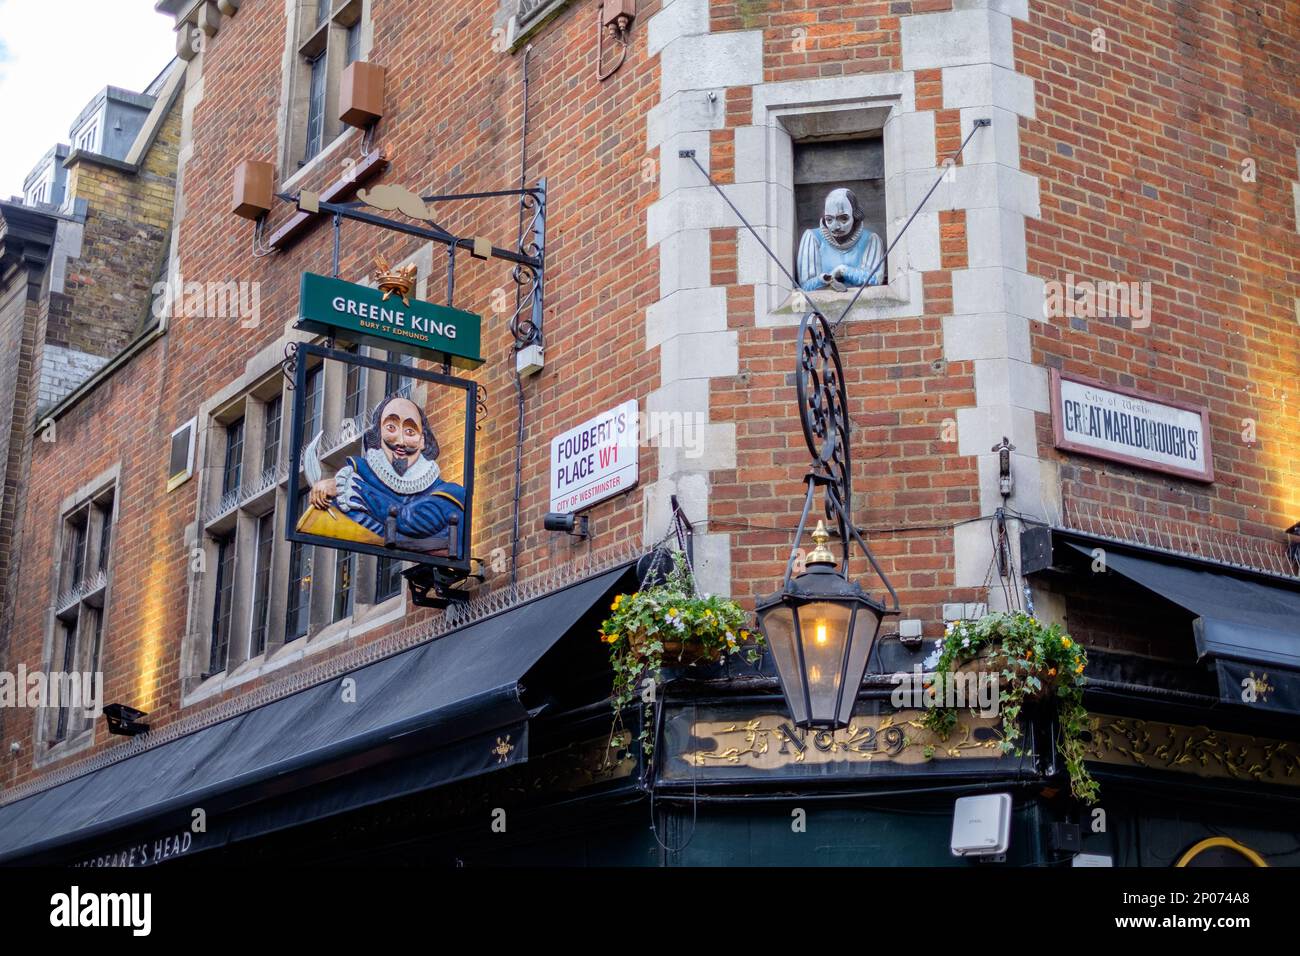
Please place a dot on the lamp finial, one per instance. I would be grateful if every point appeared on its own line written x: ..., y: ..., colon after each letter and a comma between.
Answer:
x: 820, y: 554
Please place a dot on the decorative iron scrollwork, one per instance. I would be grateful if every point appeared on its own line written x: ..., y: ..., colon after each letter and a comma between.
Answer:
x: 525, y: 323
x: 289, y: 367
x: 823, y: 413
x: 480, y: 399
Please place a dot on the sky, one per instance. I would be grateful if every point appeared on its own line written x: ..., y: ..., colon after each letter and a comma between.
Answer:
x: 57, y: 54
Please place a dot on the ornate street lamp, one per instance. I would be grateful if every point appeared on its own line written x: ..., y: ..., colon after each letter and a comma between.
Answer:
x: 821, y: 626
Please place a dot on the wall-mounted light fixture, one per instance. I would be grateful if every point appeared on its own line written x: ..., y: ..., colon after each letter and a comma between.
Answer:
x: 821, y: 626
x: 570, y: 523
x: 361, y: 94
x: 253, y: 189
x: 125, y: 721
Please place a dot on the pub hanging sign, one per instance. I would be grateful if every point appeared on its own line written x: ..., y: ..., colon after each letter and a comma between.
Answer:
x: 1123, y: 425
x: 395, y: 479
x: 378, y: 317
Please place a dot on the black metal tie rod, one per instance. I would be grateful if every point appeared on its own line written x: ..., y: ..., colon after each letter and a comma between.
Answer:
x: 690, y: 154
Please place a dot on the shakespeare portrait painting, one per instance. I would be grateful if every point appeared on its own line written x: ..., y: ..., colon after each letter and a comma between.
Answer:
x: 393, y: 494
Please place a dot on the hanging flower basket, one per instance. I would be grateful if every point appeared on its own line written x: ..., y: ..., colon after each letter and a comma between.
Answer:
x: 670, y: 624
x: 1034, y: 663
x: 993, y: 659
x: 684, y: 652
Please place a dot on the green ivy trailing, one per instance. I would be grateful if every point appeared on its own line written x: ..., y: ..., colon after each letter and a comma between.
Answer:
x: 669, y: 622
x: 1033, y: 661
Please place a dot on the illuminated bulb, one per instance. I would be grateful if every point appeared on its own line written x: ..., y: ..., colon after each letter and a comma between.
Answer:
x: 821, y: 632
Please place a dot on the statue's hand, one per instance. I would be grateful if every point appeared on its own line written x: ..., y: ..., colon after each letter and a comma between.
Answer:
x: 838, y: 273
x: 349, y: 496
x: 321, y: 493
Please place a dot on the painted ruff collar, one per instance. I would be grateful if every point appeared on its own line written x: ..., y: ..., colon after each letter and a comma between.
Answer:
x: 418, y: 477
x: 846, y: 243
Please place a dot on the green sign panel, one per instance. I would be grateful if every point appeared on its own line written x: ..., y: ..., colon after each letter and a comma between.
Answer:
x: 360, y: 314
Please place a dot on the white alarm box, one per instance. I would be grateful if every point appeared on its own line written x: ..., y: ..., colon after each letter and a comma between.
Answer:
x: 981, y: 826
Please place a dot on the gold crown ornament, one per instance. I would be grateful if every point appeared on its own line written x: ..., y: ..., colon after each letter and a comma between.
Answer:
x: 392, y: 281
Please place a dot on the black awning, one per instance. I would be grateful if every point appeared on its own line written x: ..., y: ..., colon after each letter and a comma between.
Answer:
x: 451, y: 698
x: 1237, y: 619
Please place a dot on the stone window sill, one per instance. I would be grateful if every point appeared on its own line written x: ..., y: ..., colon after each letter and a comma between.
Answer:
x: 367, y: 618
x: 45, y: 754
x: 872, y: 301
x: 317, y: 162
x: 517, y: 36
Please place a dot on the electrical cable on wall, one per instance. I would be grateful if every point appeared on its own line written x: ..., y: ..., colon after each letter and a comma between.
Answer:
x: 615, y: 18
x: 533, y: 334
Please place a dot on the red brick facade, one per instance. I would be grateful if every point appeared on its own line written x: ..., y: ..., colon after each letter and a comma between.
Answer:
x: 1141, y: 152
x: 1137, y: 153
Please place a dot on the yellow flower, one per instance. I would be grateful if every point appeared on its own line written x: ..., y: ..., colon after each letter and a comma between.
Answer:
x: 1079, y: 669
x: 1065, y: 642
x: 672, y: 611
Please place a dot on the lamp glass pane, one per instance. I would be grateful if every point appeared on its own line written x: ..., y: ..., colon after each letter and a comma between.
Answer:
x: 824, y: 627
x: 866, y: 624
x: 778, y: 628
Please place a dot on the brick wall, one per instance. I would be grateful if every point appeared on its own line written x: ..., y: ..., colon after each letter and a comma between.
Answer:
x: 108, y: 290
x: 453, y: 129
x: 1140, y: 148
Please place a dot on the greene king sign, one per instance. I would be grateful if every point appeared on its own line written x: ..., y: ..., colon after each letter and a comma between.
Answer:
x: 1128, y: 427
x: 362, y: 314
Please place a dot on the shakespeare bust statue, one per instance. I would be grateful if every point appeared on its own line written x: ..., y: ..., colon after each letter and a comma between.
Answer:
x: 841, y: 252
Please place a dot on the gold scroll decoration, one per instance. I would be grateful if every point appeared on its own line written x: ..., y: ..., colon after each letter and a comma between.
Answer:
x: 1200, y: 751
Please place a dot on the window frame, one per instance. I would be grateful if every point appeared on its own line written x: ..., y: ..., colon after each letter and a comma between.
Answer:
x: 286, y: 604
x: 325, y: 39
x: 232, y: 471
x: 317, y: 88
x: 271, y: 446
x: 263, y: 577
x: 79, y: 608
x: 87, y: 137
x: 223, y: 613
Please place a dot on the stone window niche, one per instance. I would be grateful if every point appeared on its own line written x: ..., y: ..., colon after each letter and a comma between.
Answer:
x: 856, y: 163
x: 819, y: 135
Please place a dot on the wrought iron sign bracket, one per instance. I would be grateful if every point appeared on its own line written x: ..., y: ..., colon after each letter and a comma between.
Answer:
x: 529, y: 260
x: 823, y: 413
x: 438, y: 588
